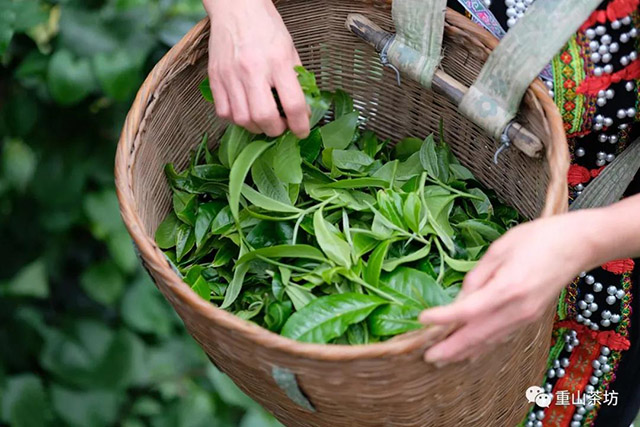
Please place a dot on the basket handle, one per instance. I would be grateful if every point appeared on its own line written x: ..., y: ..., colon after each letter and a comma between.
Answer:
x: 441, y: 82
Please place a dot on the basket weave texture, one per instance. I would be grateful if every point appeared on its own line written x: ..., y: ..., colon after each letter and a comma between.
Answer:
x: 380, y: 384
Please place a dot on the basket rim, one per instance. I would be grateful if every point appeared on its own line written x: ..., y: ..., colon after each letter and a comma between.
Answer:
x: 155, y: 260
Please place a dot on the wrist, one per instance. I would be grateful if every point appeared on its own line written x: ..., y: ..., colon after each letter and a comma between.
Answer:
x: 593, y: 238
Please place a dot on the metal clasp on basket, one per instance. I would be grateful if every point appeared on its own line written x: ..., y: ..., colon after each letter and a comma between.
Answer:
x: 384, y: 58
x: 505, y: 143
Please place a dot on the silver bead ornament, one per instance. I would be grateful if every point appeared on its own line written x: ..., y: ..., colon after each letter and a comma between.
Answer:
x: 589, y: 298
x: 633, y: 55
x: 589, y: 279
x: 594, y: 380
x: 590, y: 33
x: 594, y: 326
x: 564, y: 362
x: 621, y: 114
x: 600, y: 162
x: 610, y: 93
x: 551, y: 373
x: 579, y: 319
x: 597, y: 287
x: 624, y: 61
x: 602, y: 359
x: 608, y: 121
x: 629, y: 86
x: 631, y: 112
x: 624, y: 37
x: 615, y: 318
x: 580, y: 152
x: 608, y: 68
x: 626, y: 20
x: 595, y: 57
x: 605, y: 351
x: 601, y: 30
x: 616, y: 25
x: 606, y: 314
x: 614, y: 47
x: 598, y: 71
x: 586, y: 313
x: 606, y: 39
x: 611, y: 299
x: 540, y: 415
x: 620, y: 294
x: 596, y: 364
x: 605, y: 323
x: 598, y: 373
x: 606, y: 368
x: 593, y: 307
x: 610, y: 158
x: 581, y: 410
x: 579, y: 187
x: 601, y: 154
x: 611, y: 290
x: 613, y: 139
x: 582, y: 305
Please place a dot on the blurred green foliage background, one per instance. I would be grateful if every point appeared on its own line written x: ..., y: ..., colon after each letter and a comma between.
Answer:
x: 85, y: 337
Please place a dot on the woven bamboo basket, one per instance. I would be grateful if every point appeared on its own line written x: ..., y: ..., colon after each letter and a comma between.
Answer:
x: 330, y: 385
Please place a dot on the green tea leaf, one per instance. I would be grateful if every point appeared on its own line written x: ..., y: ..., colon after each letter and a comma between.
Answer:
x: 417, y: 286
x: 267, y: 203
x: 412, y: 212
x: 185, y: 206
x: 185, y: 240
x: 349, y: 184
x: 429, y: 158
x: 265, y: 179
x: 394, y: 319
x: 372, y: 271
x: 201, y: 287
x: 343, y: 103
x: 328, y: 317
x: 287, y: 160
x: 232, y: 143
x: 406, y: 147
x: 166, y: 232
x: 224, y: 255
x: 392, y: 263
x: 339, y: 133
x: 235, y: 286
x: 350, y: 159
x: 463, y: 266
x: 210, y: 173
x: 284, y: 251
x: 311, y: 146
x: 486, y: 229
x: 205, y: 90
x: 336, y: 248
x: 206, y: 213
x: 240, y: 169
x: 460, y: 172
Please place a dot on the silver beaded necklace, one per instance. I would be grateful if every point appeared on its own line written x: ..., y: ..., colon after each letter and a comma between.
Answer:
x: 515, y: 10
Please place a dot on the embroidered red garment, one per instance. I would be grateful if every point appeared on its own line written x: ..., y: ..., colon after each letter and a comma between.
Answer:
x: 619, y: 266
x: 578, y: 175
x: 592, y: 85
x: 596, y: 172
x: 615, y: 10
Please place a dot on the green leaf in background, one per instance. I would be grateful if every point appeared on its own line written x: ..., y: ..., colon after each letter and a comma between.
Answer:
x: 334, y: 246
x: 70, y: 79
x: 24, y: 402
x: 121, y: 250
x: 18, y: 163
x: 104, y: 213
x: 103, y: 282
x: 144, y: 309
x: 317, y: 101
x: 117, y: 73
x: 82, y: 408
x: 287, y: 160
x: 328, y: 317
x: 339, y: 133
x: 31, y: 281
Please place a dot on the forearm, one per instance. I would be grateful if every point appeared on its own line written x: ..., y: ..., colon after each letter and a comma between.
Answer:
x: 611, y: 232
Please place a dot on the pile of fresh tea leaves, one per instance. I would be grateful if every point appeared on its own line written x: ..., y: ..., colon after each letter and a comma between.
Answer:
x: 337, y: 238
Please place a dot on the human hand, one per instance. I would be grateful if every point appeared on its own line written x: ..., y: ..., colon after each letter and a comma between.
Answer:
x: 250, y: 52
x: 521, y: 274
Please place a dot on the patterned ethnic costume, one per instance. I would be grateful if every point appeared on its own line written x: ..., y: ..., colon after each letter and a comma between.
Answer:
x: 594, y: 361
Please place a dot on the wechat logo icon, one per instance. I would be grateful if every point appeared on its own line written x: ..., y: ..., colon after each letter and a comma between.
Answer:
x: 537, y: 395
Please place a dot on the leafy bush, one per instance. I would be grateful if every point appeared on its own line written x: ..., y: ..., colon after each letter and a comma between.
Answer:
x: 86, y: 339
